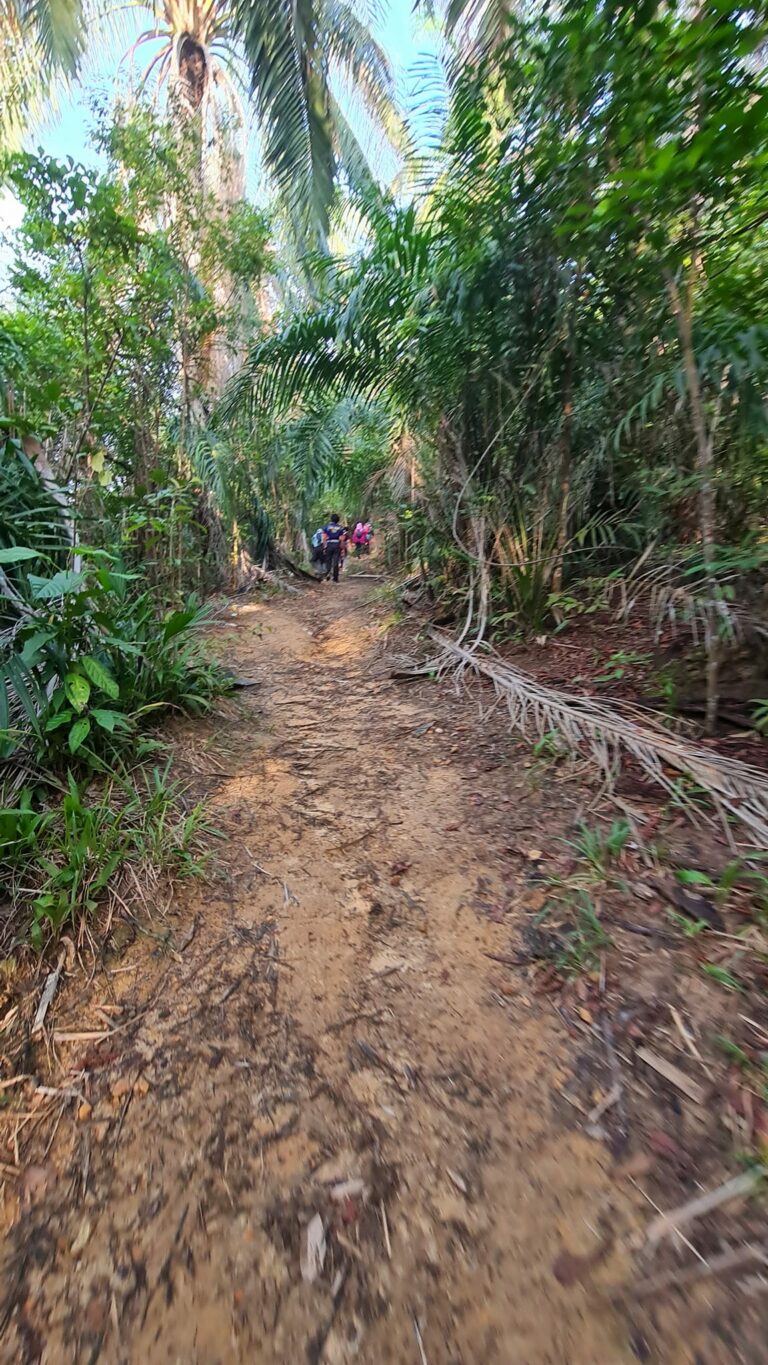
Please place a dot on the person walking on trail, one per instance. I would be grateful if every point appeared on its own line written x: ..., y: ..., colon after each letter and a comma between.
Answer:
x: 335, y: 539
x: 318, y: 547
x: 362, y: 537
x: 358, y: 538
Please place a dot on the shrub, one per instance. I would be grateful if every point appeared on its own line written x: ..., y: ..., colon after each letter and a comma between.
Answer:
x: 89, y: 661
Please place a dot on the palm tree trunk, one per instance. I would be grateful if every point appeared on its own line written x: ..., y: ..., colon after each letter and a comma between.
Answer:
x: 682, y: 312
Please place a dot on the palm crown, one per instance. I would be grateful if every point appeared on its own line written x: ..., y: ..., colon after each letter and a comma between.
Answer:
x: 290, y: 57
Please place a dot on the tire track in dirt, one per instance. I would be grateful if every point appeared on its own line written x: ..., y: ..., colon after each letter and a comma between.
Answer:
x: 331, y: 1020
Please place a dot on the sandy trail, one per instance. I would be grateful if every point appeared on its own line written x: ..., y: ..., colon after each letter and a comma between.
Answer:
x: 332, y: 1019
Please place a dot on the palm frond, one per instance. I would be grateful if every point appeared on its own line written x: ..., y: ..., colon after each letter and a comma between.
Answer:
x: 289, y: 82
x: 605, y: 734
x: 361, y: 59
x: 41, y: 41
x: 57, y: 27
x: 305, y: 360
x: 211, y: 459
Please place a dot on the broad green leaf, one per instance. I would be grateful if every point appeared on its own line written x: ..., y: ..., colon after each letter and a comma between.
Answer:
x: 125, y: 646
x: 99, y: 676
x: 78, y: 690
x: 14, y: 554
x: 55, y: 722
x: 109, y: 720
x: 34, y: 644
x: 61, y: 585
x: 177, y: 622
x: 79, y: 732
x: 663, y: 159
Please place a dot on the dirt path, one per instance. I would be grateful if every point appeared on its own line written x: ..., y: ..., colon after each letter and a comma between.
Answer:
x: 332, y: 1019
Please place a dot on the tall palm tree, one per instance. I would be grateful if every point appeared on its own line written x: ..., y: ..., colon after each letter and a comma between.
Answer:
x: 291, y: 58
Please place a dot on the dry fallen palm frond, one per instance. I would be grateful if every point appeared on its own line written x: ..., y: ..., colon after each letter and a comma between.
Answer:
x: 606, y: 734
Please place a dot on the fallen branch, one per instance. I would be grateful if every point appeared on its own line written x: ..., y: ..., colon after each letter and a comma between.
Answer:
x: 735, y: 1258
x: 673, y: 1222
x: 257, y: 574
x: 284, y: 560
x: 385, y: 1227
x: 606, y: 735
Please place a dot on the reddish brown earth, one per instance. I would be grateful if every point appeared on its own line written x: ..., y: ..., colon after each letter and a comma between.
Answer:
x: 321, y: 1034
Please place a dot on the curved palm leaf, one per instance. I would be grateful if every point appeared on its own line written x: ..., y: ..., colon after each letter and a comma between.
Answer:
x: 57, y: 27
x: 39, y: 40
x: 289, y: 82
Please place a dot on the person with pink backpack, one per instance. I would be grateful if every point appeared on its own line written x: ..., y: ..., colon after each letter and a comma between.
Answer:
x: 362, y: 537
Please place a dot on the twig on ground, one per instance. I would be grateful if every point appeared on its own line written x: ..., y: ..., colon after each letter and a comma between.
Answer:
x: 385, y: 1226
x: 350, y: 843
x: 688, y: 1039
x: 68, y: 1093
x: 387, y: 971
x: 124, y: 1111
x: 88, y: 1036
x: 348, y: 1246
x: 732, y: 1259
x: 606, y: 1103
x: 49, y: 990
x: 419, y: 1339
x: 618, y: 1085
x: 54, y: 1130
x: 188, y: 937
x: 14, y: 1080
x: 646, y: 931
x: 757, y: 1027
x: 673, y: 1074
x: 353, y: 1019
x: 680, y: 1236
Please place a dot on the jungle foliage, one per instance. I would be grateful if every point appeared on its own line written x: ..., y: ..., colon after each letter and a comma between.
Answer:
x: 566, y: 327
x: 116, y: 513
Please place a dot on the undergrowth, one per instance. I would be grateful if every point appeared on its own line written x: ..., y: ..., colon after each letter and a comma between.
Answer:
x: 98, y: 843
x: 88, y: 663
x: 584, y: 938
x: 600, y: 848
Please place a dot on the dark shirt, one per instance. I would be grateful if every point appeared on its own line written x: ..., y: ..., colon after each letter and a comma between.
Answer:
x: 334, y: 533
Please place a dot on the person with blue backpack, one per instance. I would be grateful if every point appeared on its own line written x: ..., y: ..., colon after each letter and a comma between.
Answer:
x: 318, y: 548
